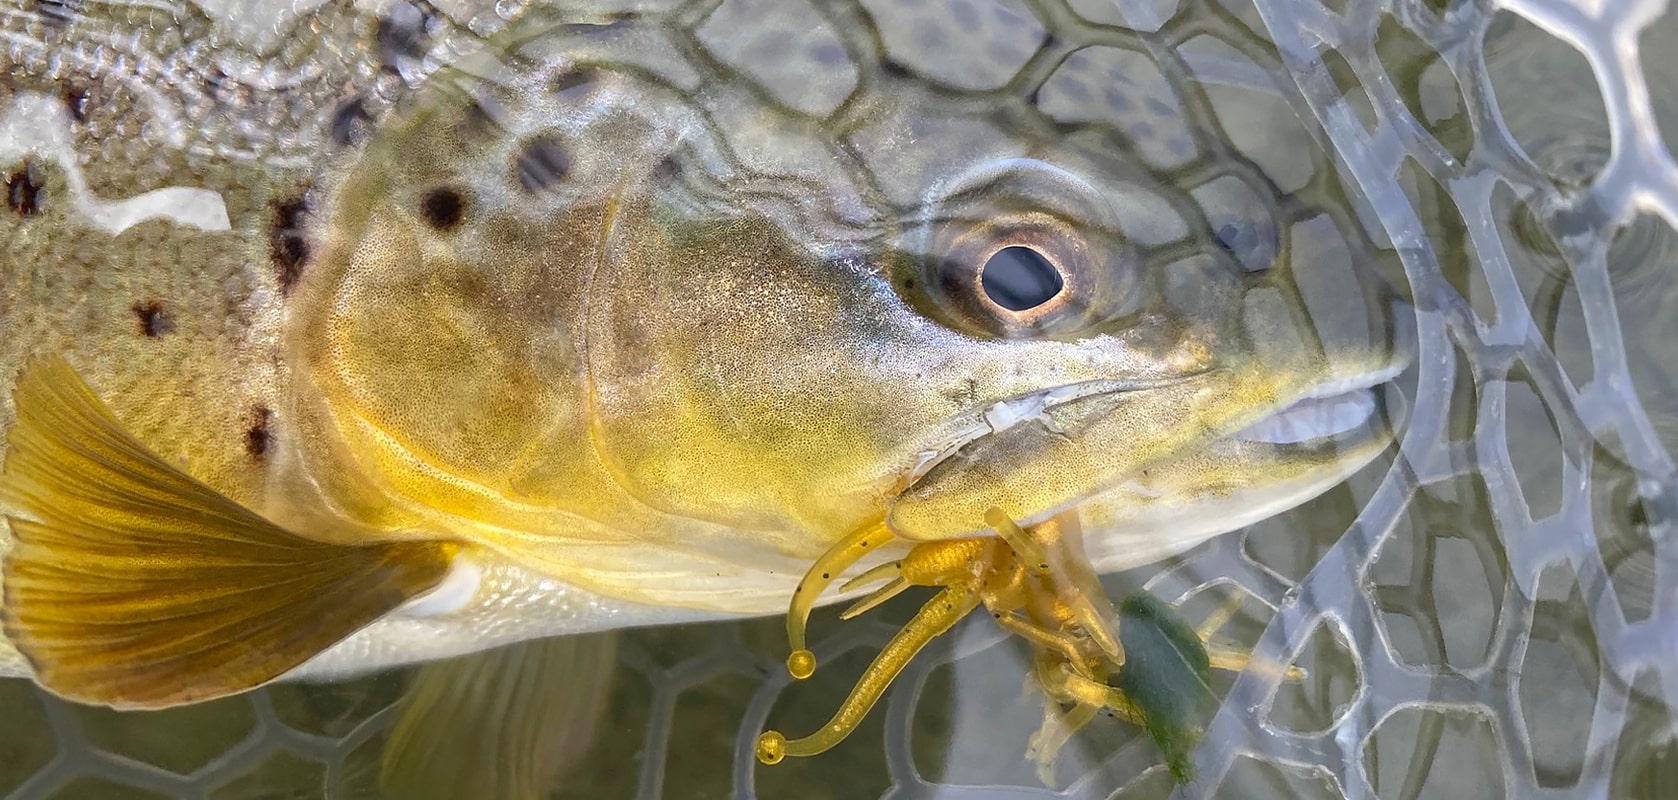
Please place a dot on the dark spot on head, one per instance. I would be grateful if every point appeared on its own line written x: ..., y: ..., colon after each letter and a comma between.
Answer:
x: 154, y: 321
x: 825, y: 576
x: 543, y: 164
x: 350, y: 122
x: 1050, y: 41
x: 287, y: 245
x: 257, y: 435
x: 443, y: 208
x: 893, y: 69
x: 401, y: 34
x: 23, y: 191
x: 75, y: 99
x: 667, y: 171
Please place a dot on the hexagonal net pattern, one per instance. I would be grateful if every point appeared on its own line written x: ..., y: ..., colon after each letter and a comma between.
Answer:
x: 1492, y: 610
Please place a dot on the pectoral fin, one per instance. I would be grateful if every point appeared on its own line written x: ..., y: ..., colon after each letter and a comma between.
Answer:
x: 504, y: 723
x: 130, y: 584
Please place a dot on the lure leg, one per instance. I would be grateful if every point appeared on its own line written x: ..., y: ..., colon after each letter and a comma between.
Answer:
x: 1057, y: 729
x: 851, y: 549
x: 936, y: 617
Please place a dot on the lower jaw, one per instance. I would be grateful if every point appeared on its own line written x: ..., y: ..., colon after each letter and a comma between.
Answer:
x: 1123, y: 529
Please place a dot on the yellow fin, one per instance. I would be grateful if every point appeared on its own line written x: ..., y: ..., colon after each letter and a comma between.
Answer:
x: 506, y: 723
x: 130, y: 584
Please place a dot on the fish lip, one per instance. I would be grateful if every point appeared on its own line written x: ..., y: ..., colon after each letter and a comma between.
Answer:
x: 1353, y: 388
x: 1004, y: 414
x: 1008, y: 412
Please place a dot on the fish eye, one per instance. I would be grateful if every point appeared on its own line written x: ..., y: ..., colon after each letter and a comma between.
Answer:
x: 1018, y: 249
x: 1025, y: 275
x: 1019, y: 278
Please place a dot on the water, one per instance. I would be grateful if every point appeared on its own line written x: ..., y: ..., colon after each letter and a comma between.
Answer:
x: 1485, y: 611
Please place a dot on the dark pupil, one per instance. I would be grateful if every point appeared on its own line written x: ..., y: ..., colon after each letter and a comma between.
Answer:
x: 1020, y: 278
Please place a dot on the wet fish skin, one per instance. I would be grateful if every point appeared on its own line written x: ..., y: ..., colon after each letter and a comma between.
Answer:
x: 649, y: 318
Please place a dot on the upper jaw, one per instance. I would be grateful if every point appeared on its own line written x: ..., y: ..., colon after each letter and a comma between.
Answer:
x: 1004, y: 414
x: 1323, y: 411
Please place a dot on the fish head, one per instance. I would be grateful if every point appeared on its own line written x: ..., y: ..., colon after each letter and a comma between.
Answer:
x: 567, y: 281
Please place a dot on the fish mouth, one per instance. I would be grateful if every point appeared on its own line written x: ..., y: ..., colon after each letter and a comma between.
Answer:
x: 1324, y: 412
x: 1004, y: 414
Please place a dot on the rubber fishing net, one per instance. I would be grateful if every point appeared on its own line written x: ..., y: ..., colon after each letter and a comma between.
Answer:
x: 1490, y: 611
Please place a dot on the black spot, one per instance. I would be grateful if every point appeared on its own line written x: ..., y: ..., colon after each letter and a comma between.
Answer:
x: 824, y: 576
x: 257, y: 435
x: 154, y: 321
x: 350, y: 122
x: 543, y: 164
x: 892, y: 69
x: 667, y: 171
x: 287, y: 245
x: 401, y: 35
x: 23, y: 191
x: 75, y: 99
x: 443, y: 208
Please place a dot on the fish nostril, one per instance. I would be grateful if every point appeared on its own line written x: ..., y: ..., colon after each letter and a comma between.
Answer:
x: 1020, y: 279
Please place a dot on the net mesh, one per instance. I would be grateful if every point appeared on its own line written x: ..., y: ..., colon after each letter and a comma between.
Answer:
x: 1489, y: 612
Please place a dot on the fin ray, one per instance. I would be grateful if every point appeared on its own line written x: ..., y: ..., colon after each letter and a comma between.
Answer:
x: 134, y: 585
x: 505, y: 723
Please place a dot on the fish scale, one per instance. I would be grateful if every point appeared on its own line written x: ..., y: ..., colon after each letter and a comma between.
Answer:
x: 642, y: 310
x: 1363, y: 748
